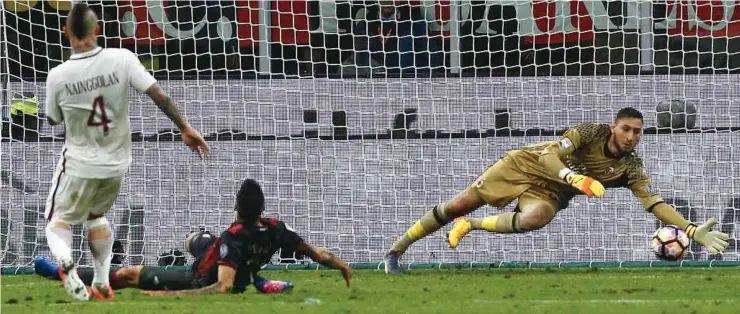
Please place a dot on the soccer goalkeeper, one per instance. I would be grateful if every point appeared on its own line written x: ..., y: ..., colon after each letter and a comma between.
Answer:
x: 587, y: 159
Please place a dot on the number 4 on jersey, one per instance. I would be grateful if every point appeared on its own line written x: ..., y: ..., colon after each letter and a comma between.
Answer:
x: 98, y: 108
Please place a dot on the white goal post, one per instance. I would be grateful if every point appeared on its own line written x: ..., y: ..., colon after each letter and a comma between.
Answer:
x: 358, y: 118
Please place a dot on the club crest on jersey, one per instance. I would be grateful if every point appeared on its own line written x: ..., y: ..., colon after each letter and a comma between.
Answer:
x: 609, y: 171
x: 565, y: 143
x: 223, y: 250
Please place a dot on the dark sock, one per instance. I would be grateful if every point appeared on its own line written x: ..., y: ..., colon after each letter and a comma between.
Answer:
x: 86, y: 274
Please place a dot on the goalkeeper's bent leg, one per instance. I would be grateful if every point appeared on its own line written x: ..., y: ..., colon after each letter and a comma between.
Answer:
x: 534, y: 214
x: 503, y: 223
x: 440, y: 215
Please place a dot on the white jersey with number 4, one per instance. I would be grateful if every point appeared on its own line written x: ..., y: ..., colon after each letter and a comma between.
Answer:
x: 90, y: 93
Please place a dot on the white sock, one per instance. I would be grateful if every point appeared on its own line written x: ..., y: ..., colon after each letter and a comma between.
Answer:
x: 101, y: 248
x: 60, y: 242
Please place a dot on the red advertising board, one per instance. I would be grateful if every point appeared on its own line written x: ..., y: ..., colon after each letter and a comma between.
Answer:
x: 539, y: 21
x: 142, y: 22
x: 708, y: 18
x: 557, y: 21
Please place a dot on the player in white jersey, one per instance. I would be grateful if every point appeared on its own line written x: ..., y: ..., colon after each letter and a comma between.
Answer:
x: 90, y: 93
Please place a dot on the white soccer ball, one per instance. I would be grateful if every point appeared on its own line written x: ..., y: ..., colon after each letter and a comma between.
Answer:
x: 670, y: 242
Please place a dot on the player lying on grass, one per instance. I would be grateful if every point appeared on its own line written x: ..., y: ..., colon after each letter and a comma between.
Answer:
x: 544, y: 177
x: 90, y: 94
x: 227, y: 264
x: 196, y: 243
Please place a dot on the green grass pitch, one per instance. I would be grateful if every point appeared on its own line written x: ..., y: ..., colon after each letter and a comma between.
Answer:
x: 685, y: 290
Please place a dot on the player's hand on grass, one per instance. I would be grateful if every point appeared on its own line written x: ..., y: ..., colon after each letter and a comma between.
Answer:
x: 194, y: 140
x: 587, y: 185
x: 714, y: 241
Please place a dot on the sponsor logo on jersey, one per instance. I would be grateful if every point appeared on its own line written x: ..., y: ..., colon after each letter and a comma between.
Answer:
x: 565, y: 143
x: 479, y: 183
x: 223, y: 250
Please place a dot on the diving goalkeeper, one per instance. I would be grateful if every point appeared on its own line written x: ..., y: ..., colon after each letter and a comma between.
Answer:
x: 544, y: 177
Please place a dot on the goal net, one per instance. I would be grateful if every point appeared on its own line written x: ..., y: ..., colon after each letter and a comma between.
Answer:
x: 357, y: 119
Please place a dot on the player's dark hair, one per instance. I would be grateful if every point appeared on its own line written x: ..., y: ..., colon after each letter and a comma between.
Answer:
x: 77, y: 20
x: 628, y: 112
x: 250, y: 202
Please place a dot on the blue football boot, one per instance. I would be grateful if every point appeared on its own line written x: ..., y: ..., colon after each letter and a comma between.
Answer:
x: 45, y: 268
x: 392, y: 265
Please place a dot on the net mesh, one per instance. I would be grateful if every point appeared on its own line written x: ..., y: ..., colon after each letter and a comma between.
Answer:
x: 357, y: 118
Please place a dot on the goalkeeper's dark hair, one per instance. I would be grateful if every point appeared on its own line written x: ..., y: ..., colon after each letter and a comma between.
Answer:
x: 250, y: 202
x: 628, y: 112
x: 79, y: 22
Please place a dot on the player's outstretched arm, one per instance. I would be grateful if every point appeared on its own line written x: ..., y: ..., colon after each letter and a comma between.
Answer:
x: 325, y: 257
x: 225, y: 283
x: 640, y: 183
x: 714, y: 241
x: 190, y: 136
x: 142, y: 81
x: 167, y: 105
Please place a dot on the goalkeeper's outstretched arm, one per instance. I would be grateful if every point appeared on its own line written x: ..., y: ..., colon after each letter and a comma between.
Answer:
x: 641, y: 185
x: 669, y: 216
x: 714, y: 241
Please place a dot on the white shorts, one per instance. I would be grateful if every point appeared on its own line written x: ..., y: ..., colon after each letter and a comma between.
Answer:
x: 72, y: 200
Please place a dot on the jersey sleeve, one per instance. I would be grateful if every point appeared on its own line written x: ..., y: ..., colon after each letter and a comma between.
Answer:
x: 287, y: 237
x: 139, y: 77
x: 641, y: 185
x: 230, y: 251
x: 578, y: 136
x: 51, y: 103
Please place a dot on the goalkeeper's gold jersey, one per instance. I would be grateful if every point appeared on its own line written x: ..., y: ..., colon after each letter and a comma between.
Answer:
x: 584, y: 150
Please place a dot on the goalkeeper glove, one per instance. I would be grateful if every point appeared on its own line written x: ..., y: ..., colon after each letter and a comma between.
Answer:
x: 714, y: 241
x: 587, y: 185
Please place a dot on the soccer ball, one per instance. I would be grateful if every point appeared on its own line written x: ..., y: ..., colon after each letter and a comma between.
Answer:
x: 669, y: 243
x: 676, y: 114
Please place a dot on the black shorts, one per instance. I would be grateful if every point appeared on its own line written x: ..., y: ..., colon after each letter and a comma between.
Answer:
x: 159, y: 278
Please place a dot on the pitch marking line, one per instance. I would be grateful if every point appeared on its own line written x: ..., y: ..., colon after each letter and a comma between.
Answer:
x: 605, y: 301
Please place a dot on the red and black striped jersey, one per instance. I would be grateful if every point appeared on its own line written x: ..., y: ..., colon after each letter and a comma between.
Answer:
x: 245, y: 248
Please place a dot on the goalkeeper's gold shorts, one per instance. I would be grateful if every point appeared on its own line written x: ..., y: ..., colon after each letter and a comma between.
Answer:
x: 503, y: 182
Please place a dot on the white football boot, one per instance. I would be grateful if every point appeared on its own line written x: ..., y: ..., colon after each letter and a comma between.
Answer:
x: 72, y: 282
